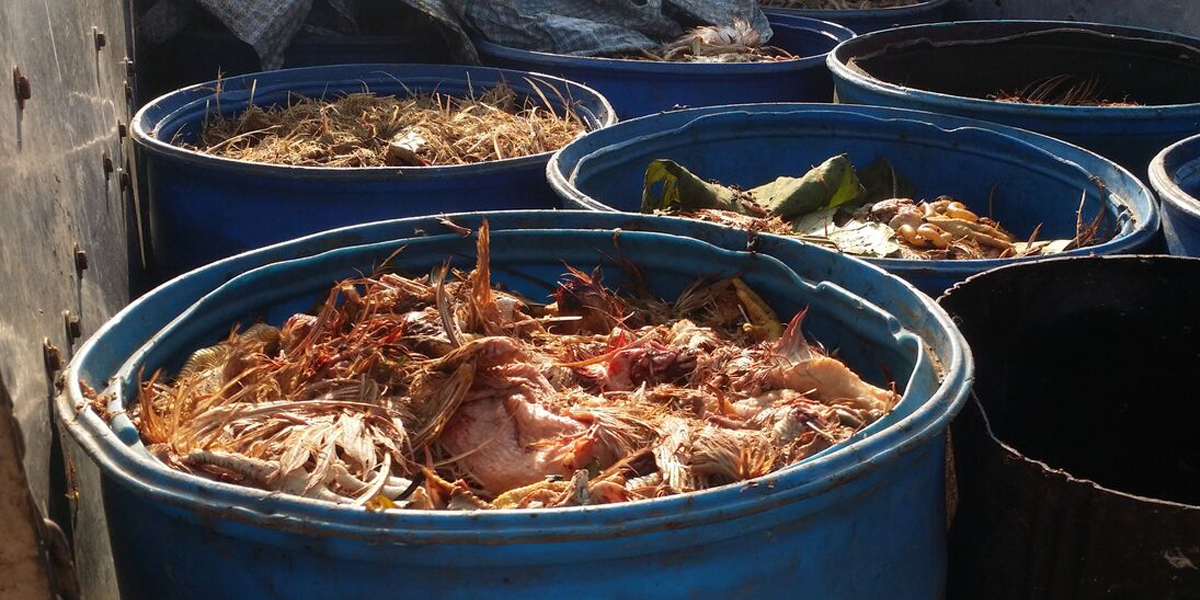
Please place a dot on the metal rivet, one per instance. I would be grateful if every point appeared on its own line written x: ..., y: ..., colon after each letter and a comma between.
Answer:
x: 21, y: 88
x: 128, y: 92
x: 123, y: 177
x: 51, y: 356
x: 108, y: 166
x: 81, y: 260
x: 100, y: 39
x: 73, y: 324
x: 122, y: 131
x: 129, y: 69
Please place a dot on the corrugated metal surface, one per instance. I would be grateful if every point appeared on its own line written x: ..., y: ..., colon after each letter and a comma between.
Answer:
x: 54, y: 194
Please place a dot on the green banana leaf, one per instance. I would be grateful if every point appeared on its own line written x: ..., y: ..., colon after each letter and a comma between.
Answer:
x: 683, y: 191
x: 828, y: 185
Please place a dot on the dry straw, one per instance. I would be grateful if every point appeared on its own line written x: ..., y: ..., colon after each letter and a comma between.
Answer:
x: 1062, y: 90
x: 371, y: 130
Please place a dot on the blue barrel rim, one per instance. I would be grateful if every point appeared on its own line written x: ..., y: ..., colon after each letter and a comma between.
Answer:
x: 1145, y: 228
x: 145, y: 124
x: 838, y: 63
x: 858, y: 13
x: 1162, y: 176
x: 835, y: 32
x: 145, y: 475
x: 268, y: 494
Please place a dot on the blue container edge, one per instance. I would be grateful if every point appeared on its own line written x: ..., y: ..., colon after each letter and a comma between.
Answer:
x: 143, y: 129
x: 1180, y: 210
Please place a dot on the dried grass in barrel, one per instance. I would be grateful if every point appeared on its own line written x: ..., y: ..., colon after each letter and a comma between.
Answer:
x: 370, y: 130
x: 1062, y: 90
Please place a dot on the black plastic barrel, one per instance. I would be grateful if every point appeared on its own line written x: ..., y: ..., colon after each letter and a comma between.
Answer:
x: 1078, y: 460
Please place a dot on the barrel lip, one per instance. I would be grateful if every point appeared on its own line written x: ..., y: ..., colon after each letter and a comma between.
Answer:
x: 1011, y: 451
x: 1065, y: 476
x: 1144, y: 229
x: 1162, y: 175
x: 844, y: 74
x: 1051, y: 260
x: 618, y: 66
x: 859, y: 13
x: 165, y: 111
x: 859, y: 458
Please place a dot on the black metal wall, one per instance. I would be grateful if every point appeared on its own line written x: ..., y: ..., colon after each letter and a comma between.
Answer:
x: 64, y: 185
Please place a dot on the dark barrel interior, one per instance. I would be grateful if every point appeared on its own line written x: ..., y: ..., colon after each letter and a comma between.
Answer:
x: 1090, y: 365
x: 981, y: 60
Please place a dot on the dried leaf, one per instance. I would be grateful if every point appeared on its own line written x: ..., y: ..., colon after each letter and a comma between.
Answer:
x: 1041, y: 248
x: 857, y: 237
x: 865, y: 238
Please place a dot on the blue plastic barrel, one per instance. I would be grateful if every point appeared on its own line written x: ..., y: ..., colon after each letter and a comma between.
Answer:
x: 206, y: 207
x: 1175, y: 175
x: 641, y: 87
x: 1031, y: 179
x: 866, y: 20
x: 952, y: 68
x: 879, y: 498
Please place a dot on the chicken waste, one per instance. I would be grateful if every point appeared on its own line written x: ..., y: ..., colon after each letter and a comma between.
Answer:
x: 445, y: 392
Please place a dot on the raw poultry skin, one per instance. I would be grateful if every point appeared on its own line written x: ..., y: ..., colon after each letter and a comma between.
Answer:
x: 441, y: 392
